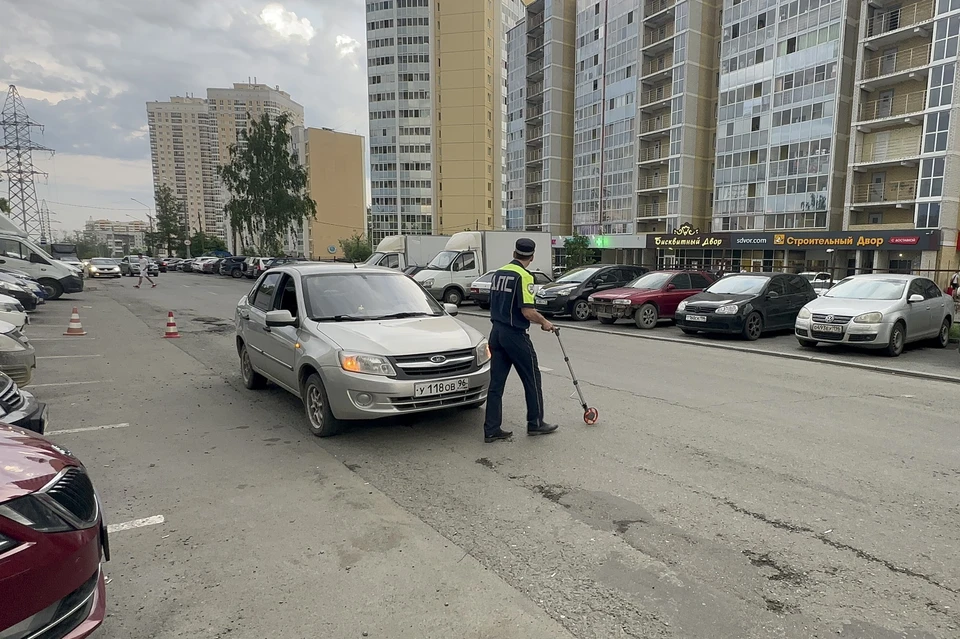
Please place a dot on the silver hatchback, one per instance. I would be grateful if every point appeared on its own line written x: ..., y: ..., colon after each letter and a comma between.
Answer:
x: 356, y: 343
x: 882, y: 311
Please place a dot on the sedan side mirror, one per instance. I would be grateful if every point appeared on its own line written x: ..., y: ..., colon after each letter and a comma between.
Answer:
x: 451, y: 309
x: 671, y: 287
x: 916, y: 297
x: 772, y: 295
x: 280, y: 318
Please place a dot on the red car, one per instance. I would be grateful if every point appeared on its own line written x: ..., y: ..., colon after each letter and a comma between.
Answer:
x: 52, y: 540
x: 649, y: 298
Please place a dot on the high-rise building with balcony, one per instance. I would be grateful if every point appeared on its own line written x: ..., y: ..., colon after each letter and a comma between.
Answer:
x: 436, y: 99
x: 903, y: 153
x: 184, y: 154
x: 540, y: 118
x: 644, y: 117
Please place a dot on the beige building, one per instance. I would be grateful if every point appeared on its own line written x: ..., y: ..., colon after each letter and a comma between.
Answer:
x: 120, y: 238
x: 184, y: 152
x: 335, y: 181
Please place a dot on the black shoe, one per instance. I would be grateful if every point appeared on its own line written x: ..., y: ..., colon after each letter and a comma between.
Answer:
x: 500, y: 434
x: 542, y: 429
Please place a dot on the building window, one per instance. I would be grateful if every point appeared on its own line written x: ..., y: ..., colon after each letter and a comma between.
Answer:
x: 928, y: 215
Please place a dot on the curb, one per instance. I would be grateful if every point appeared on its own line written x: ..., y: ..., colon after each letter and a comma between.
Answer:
x: 740, y: 349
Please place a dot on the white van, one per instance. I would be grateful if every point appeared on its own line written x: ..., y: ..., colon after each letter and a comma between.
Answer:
x: 19, y: 252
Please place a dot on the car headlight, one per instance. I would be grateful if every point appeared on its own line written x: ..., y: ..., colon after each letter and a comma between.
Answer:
x: 368, y: 364
x: 622, y: 302
x: 10, y: 345
x: 33, y: 513
x: 9, y: 308
x: 483, y: 352
x: 92, y: 267
x: 682, y: 305
x: 729, y: 309
x: 6, y: 544
x: 869, y: 318
x: 592, y: 299
x: 427, y: 283
x: 563, y: 292
x: 804, y: 313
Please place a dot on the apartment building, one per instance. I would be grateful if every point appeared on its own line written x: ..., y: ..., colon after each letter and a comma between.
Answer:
x: 120, y: 238
x: 539, y: 122
x: 436, y: 100
x: 644, y: 119
x: 184, y: 156
x: 903, y: 145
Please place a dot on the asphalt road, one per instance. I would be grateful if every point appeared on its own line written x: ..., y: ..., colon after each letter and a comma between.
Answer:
x: 723, y: 494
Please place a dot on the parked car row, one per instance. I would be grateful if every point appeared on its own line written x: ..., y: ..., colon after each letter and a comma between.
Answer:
x: 878, y: 311
x: 236, y: 266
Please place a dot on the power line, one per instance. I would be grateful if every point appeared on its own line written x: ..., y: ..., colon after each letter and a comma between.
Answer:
x: 86, y: 206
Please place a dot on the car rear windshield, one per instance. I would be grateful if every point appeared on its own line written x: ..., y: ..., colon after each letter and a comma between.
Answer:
x: 360, y: 295
x: 867, y: 289
x: 651, y: 281
x: 739, y: 285
x: 487, y: 277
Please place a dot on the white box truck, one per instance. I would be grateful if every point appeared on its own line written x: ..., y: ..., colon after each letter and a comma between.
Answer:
x: 470, y: 254
x: 400, y: 251
x: 18, y: 252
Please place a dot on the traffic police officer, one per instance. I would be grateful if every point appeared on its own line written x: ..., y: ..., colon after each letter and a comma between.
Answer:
x: 511, y: 312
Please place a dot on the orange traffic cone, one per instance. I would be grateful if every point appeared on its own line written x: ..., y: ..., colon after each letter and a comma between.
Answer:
x: 171, y: 326
x: 74, y: 328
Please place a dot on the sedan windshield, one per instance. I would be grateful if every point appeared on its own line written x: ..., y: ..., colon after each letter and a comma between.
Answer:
x: 650, y: 281
x: 578, y: 275
x: 360, y: 295
x: 739, y: 285
x: 103, y: 261
x: 867, y: 289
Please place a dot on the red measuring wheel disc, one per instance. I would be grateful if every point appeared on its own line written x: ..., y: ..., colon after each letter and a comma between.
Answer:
x: 590, y: 416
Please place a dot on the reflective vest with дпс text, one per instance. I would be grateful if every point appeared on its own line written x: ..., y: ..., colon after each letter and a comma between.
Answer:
x: 511, y: 290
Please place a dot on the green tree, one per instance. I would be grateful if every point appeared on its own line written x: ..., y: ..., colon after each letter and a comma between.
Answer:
x: 171, y: 213
x: 201, y: 243
x: 356, y: 248
x: 267, y: 185
x: 578, y: 250
x: 4, y: 207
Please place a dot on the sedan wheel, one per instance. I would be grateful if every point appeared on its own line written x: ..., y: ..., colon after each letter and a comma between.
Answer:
x: 943, y: 337
x: 646, y: 316
x: 251, y: 378
x: 581, y: 311
x: 319, y: 416
x: 753, y: 326
x: 897, y: 340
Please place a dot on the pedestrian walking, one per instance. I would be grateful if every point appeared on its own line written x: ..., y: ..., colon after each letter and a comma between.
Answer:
x: 954, y: 285
x: 144, y: 264
x: 511, y: 313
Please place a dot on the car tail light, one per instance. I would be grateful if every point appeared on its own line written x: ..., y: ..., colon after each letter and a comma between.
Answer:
x: 474, y: 290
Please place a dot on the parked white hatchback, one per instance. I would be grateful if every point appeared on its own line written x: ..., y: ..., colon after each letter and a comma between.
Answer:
x: 12, y: 311
x: 881, y: 311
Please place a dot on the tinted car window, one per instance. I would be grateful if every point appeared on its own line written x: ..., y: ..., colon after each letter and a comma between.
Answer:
x: 264, y: 297
x: 797, y: 285
x: 607, y: 277
x: 540, y: 278
x: 916, y: 288
x: 778, y: 285
x: 681, y: 281
x: 698, y: 281
x: 933, y: 291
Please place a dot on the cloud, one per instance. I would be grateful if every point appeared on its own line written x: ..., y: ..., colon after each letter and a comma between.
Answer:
x: 286, y: 22
x: 87, y: 68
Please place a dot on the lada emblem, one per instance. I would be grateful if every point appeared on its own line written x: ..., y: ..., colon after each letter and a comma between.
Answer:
x: 438, y: 359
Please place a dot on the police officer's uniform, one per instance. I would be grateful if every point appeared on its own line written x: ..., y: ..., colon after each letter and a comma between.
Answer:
x: 510, y: 291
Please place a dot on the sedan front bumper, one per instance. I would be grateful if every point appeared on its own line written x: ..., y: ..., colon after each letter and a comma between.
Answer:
x: 712, y: 323
x: 863, y: 335
x: 552, y: 305
x: 355, y: 396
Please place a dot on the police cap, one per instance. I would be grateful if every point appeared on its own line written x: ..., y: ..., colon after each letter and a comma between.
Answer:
x: 525, y: 247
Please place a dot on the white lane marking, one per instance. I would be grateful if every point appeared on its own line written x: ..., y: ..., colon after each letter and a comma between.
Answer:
x: 211, y: 292
x: 67, y: 356
x: 102, y: 381
x: 136, y: 523
x: 56, y: 339
x: 85, y: 429
x: 185, y: 285
x: 544, y: 369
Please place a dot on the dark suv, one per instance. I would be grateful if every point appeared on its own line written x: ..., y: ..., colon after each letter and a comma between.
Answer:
x: 233, y: 266
x: 570, y: 293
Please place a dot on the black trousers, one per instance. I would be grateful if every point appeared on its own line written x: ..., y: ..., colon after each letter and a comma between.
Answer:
x: 511, y: 348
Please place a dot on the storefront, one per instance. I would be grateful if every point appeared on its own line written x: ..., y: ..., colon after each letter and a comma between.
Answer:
x: 839, y: 252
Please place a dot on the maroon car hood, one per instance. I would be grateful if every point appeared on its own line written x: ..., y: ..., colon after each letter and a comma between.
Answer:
x: 625, y: 293
x: 28, y: 462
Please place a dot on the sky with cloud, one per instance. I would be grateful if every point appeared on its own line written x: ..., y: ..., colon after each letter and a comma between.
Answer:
x: 87, y: 68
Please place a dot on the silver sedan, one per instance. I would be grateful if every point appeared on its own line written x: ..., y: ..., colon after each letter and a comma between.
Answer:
x: 358, y: 343
x: 881, y: 311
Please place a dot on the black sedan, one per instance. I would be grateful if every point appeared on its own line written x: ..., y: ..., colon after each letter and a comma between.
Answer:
x: 747, y: 304
x: 568, y: 295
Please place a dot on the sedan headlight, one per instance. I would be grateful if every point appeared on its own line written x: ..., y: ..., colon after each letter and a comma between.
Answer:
x: 804, y: 313
x: 592, y: 299
x: 33, y: 513
x: 682, y: 305
x: 729, y: 309
x: 869, y: 318
x: 563, y: 292
x: 368, y: 364
x: 10, y: 345
x: 10, y: 308
x: 483, y: 352
x: 623, y: 302
x: 92, y: 267
x: 427, y: 283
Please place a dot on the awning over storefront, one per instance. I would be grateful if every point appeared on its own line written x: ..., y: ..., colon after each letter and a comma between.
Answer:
x: 689, y: 237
